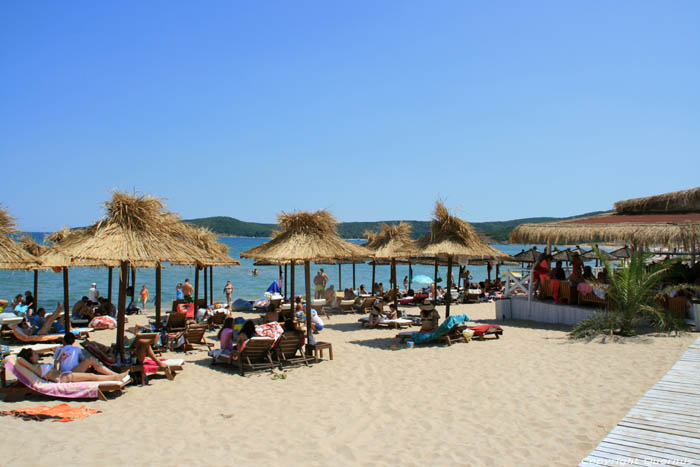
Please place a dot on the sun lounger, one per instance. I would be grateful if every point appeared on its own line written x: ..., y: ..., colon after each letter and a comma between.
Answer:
x: 483, y: 330
x: 254, y: 356
x: 38, y: 348
x: 176, y: 322
x: 29, y: 383
x: 22, y: 337
x: 388, y: 323
x: 367, y: 303
x: 194, y: 335
x: 290, y: 350
x: 347, y: 305
x: 98, y: 351
x: 451, y: 330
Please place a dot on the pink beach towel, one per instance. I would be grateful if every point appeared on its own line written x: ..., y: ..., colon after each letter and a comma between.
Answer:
x: 83, y: 390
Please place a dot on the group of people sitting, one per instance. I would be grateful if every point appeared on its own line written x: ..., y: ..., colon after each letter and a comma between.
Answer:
x: 21, y: 305
x: 86, y: 309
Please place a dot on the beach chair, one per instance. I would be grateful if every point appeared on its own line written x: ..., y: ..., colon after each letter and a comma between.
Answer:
x: 347, y: 305
x: 256, y: 355
x: 367, y: 304
x: 449, y: 332
x: 28, y: 383
x: 101, y: 352
x: 480, y: 331
x: 218, y: 318
x: 290, y: 350
x: 19, y: 335
x: 397, y: 323
x: 194, y: 335
x: 176, y: 322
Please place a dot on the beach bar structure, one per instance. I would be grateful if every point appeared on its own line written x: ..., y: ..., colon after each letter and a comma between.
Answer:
x: 670, y: 221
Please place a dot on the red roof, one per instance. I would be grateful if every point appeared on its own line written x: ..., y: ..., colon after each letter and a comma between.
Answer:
x: 638, y: 219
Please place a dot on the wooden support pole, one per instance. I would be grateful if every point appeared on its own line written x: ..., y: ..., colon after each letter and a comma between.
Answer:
x: 121, y: 310
x: 374, y: 265
x: 36, y: 291
x: 448, y: 297
x: 285, y: 283
x: 109, y: 284
x: 353, y: 277
x: 133, y: 282
x: 291, y: 287
x: 206, y: 288
x: 211, y: 283
x: 66, y: 300
x: 393, y: 274
x: 435, y: 282
x: 196, y: 289
x: 340, y: 277
x: 307, y: 280
x: 158, y: 296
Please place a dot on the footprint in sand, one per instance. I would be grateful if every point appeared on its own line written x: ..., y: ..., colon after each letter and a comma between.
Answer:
x: 226, y: 415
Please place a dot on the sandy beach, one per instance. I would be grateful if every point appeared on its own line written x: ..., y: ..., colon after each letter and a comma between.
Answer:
x: 533, y: 397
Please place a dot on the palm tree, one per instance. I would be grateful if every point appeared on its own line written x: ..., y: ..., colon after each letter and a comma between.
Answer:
x: 634, y: 295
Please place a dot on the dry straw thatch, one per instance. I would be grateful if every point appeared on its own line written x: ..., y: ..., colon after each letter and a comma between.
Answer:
x: 306, y: 236
x: 451, y: 236
x: 12, y: 255
x: 207, y: 240
x: 642, y: 235
x: 392, y: 241
x: 136, y: 229
x: 677, y: 202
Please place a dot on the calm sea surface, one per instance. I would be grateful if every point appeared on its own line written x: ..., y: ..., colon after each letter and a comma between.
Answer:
x: 246, y: 285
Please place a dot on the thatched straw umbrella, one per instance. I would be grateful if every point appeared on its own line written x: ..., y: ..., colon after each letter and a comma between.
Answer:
x: 207, y: 240
x: 136, y: 231
x: 306, y: 236
x: 12, y: 255
x: 451, y: 237
x: 391, y: 243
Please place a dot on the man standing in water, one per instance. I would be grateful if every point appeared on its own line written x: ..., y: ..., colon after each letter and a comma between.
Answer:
x: 228, y: 290
x: 94, y: 294
x: 320, y: 283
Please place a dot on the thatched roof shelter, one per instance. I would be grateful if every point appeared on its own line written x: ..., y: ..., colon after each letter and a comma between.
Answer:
x: 451, y: 236
x: 208, y: 241
x: 392, y: 242
x: 672, y: 220
x: 135, y: 229
x: 527, y: 256
x: 12, y: 255
x: 306, y: 236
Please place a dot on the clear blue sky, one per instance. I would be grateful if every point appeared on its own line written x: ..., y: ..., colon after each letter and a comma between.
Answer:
x: 369, y: 109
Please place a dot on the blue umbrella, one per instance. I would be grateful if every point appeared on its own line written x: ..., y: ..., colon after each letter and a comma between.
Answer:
x: 274, y: 288
x: 422, y: 279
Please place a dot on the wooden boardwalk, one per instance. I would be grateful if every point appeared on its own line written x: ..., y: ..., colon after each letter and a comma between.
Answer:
x: 664, y: 427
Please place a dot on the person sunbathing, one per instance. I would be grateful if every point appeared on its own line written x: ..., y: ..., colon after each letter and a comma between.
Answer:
x: 29, y: 359
x: 70, y: 358
x: 142, y: 344
x: 376, y: 314
x: 429, y: 318
x: 271, y: 315
x: 226, y: 335
x: 29, y: 330
x: 247, y: 332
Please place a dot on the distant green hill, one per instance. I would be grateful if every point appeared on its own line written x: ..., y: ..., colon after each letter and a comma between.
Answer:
x: 496, y: 231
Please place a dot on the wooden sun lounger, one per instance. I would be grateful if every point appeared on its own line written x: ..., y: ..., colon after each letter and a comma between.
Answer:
x: 176, y: 322
x: 456, y: 334
x: 366, y: 304
x: 18, y: 389
x: 256, y: 355
x: 22, y: 337
x: 194, y: 335
x: 397, y: 323
x: 290, y: 350
x: 346, y: 305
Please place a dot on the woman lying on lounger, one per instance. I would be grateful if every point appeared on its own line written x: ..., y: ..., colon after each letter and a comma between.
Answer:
x: 30, y: 330
x: 30, y: 360
x: 246, y: 332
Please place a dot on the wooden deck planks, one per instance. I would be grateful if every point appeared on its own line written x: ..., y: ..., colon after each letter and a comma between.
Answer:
x: 663, y: 428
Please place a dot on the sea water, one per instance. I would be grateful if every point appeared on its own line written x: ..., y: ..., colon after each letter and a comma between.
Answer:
x: 246, y: 285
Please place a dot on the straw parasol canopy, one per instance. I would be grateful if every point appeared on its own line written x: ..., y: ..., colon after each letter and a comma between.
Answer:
x: 392, y: 242
x: 136, y: 229
x: 306, y: 236
x: 207, y: 240
x: 527, y: 256
x: 12, y: 255
x: 452, y: 237
x: 669, y: 220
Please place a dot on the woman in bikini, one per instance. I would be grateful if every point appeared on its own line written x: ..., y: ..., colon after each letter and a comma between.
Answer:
x: 30, y: 360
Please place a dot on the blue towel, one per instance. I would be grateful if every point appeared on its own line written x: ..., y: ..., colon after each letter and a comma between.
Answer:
x: 449, y: 323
